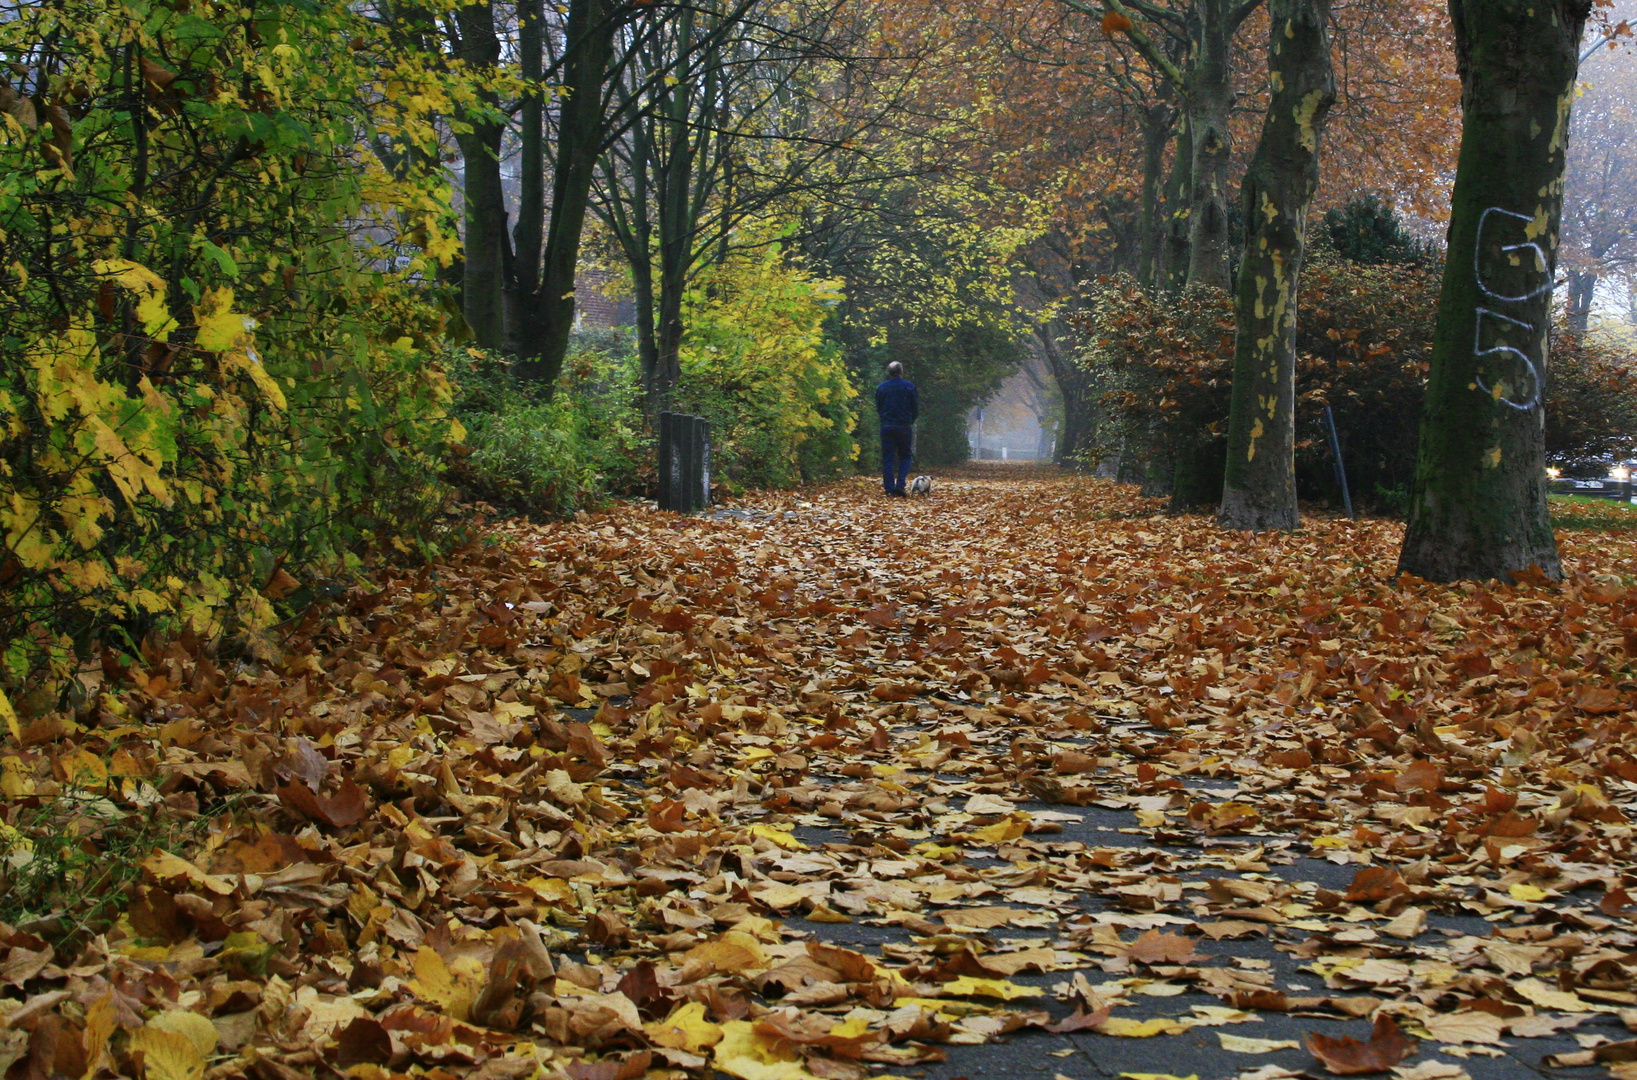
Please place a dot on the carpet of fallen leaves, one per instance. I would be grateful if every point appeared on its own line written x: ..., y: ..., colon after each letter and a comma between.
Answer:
x: 540, y: 810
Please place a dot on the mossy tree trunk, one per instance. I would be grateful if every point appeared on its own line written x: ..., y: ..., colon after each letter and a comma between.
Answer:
x: 1478, y: 507
x: 1173, y: 258
x: 1259, y: 488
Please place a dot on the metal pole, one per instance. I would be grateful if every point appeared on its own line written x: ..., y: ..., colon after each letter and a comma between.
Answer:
x: 1335, y: 452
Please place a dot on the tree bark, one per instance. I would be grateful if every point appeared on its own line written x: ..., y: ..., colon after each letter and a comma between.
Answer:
x: 1478, y: 506
x: 485, y: 246
x: 1582, y: 287
x: 582, y: 127
x: 1173, y: 268
x: 1259, y: 488
x: 528, y: 233
x: 1210, y: 101
x: 1157, y: 123
x: 684, y: 178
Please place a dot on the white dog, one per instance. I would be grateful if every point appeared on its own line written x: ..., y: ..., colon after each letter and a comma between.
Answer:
x: 921, y: 485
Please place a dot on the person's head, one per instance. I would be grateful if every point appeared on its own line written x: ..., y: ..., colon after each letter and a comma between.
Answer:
x: 895, y: 370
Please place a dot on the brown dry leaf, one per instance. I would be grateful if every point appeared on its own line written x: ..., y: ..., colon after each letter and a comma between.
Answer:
x: 1465, y: 1027
x: 1159, y: 947
x: 1347, y: 1056
x: 345, y: 806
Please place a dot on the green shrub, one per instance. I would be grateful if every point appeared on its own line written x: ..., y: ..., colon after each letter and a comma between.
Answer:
x: 552, y: 458
x: 757, y: 364
x: 220, y: 377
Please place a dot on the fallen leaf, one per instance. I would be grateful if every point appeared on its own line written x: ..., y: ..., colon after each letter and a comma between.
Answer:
x: 1347, y: 1056
x: 1240, y: 1044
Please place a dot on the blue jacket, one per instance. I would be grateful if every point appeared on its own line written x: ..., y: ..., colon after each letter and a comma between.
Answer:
x: 897, y: 403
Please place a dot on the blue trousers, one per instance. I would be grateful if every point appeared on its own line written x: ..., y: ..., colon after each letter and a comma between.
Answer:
x: 897, y: 446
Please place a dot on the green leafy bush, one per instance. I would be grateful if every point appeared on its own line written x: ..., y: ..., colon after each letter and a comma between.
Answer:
x: 552, y: 458
x: 1367, y: 230
x: 757, y: 364
x: 219, y: 373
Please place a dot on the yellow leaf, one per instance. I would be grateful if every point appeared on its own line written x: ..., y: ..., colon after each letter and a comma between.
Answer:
x: 747, y: 1055
x: 220, y: 327
x: 453, y: 991
x: 8, y: 714
x: 200, y: 1031
x: 1538, y: 993
x: 778, y: 836
x: 167, y: 867
x: 99, y: 1025
x: 1142, y: 1029
x: 83, y: 769
x: 1331, y: 842
x: 685, y: 1029
x: 1527, y: 893
x: 1158, y: 1076
x: 1002, y: 831
x: 734, y: 952
x: 971, y: 986
x: 551, y: 890
x: 167, y: 1055
x: 149, y: 288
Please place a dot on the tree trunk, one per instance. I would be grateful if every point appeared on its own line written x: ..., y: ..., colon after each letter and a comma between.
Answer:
x: 1179, y: 185
x: 1158, y: 120
x: 1209, y: 103
x: 686, y: 145
x: 580, y: 133
x: 1259, y: 489
x: 1582, y: 288
x: 529, y: 231
x: 1478, y: 506
x: 485, y: 248
x: 1199, y: 459
x: 1079, y: 425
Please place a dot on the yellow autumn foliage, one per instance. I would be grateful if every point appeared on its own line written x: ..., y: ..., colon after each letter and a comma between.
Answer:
x: 218, y: 362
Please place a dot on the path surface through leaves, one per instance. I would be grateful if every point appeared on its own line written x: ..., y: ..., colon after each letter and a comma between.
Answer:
x: 837, y: 786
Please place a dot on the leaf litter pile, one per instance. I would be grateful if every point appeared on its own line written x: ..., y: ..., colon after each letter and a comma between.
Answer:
x: 609, y: 798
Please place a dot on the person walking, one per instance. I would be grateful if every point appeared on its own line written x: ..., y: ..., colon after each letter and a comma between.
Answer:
x: 897, y: 404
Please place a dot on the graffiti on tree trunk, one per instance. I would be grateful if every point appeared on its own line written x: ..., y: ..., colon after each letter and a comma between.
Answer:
x: 1509, y: 263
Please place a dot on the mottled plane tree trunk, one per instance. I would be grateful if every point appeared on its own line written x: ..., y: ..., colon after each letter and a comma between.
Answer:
x: 1208, y: 96
x: 1478, y: 506
x: 1259, y: 489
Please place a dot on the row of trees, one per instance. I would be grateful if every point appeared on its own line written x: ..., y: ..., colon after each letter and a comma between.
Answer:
x: 1477, y: 505
x: 238, y: 244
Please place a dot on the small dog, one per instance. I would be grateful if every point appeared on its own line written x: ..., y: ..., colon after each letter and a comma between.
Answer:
x: 921, y: 485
